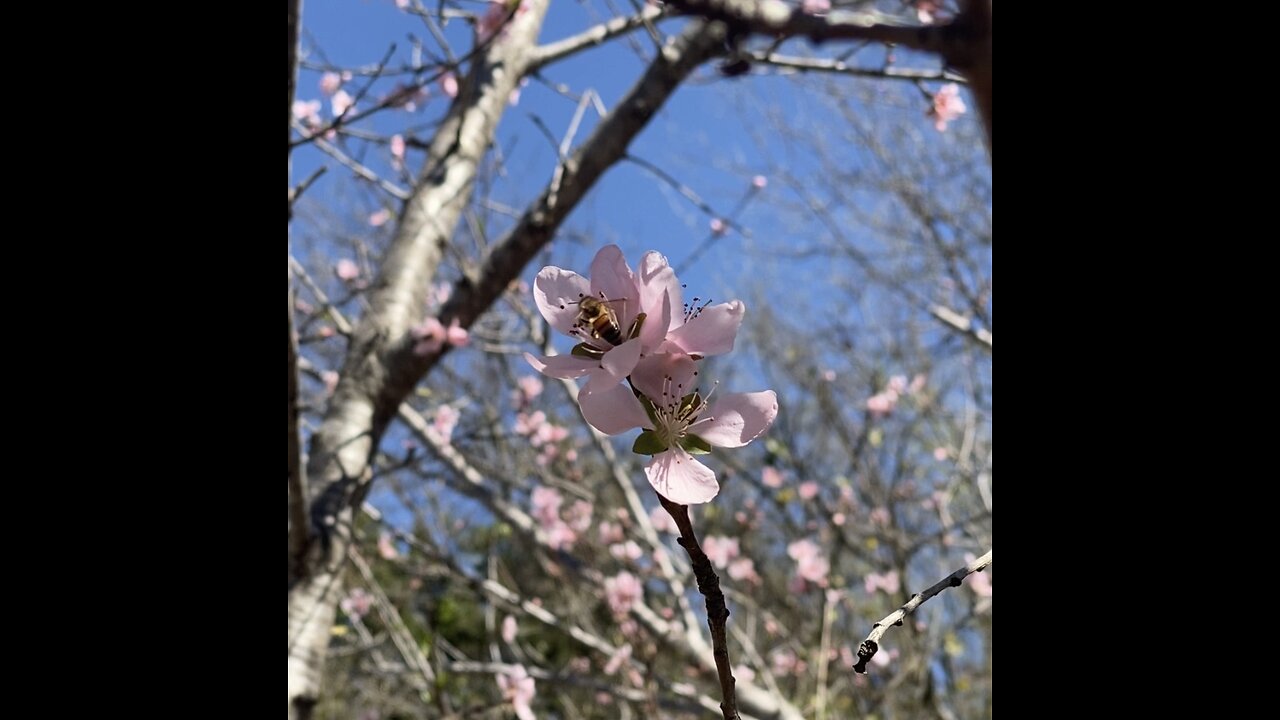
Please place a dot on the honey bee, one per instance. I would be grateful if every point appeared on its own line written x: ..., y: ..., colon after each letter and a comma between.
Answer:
x: 601, y: 322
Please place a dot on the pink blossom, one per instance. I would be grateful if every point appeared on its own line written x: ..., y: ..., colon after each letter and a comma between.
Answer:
x: 880, y: 516
x: 829, y: 375
x: 808, y: 490
x: 518, y: 689
x: 898, y: 384
x: 618, y: 659
x: 947, y: 106
x: 579, y: 515
x: 621, y: 592
x: 940, y: 454
x: 785, y: 662
x: 307, y: 111
x: 743, y: 569
x: 839, y: 519
x: 815, y: 7
x: 449, y: 84
x: 330, y: 379
x: 402, y: 4
x: 759, y: 182
x: 347, y: 269
x: 662, y: 521
x: 380, y: 217
x: 457, y: 335
x: 744, y: 673
x: 810, y: 565
x: 325, y: 331
x: 528, y: 423
x: 771, y: 477
x: 397, y: 149
x: 493, y: 18
x: 446, y: 419
x: 560, y: 536
x: 387, y: 547
x: 429, y: 336
x: 528, y: 387
x: 509, y: 629
x: 514, y: 98
x: 720, y: 550
x: 681, y: 420
x: 356, y: 604
x: 882, y: 403
x: 330, y: 82
x: 718, y: 226
x: 545, y: 503
x: 887, y: 582
x: 610, y: 533
x: 979, y: 582
x: 626, y: 551
x: 926, y: 9
x: 341, y: 102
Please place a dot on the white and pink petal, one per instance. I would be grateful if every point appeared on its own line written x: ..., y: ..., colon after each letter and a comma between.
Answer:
x: 613, y: 410
x: 737, y: 418
x: 678, y: 477
x: 712, y: 332
x: 561, y: 366
x: 556, y: 292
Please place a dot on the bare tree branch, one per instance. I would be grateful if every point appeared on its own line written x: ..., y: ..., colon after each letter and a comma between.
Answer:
x: 560, y: 49
x: 959, y: 322
x: 840, y: 67
x: 298, y: 531
x: 869, y: 646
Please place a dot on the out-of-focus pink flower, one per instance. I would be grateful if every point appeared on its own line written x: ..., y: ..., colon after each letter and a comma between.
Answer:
x: 839, y: 519
x: 887, y: 582
x: 815, y: 7
x: 445, y: 421
x: 528, y: 423
x: 580, y: 515
x: 518, y: 689
x: 884, y: 657
x: 626, y: 551
x: 509, y: 629
x: 610, y: 533
x: 397, y: 149
x: 429, y: 336
x: 847, y: 658
x: 718, y: 226
x: 546, y: 502
x: 880, y: 516
x: 387, y: 547
x: 720, y: 550
x: 829, y: 375
x: 898, y: 384
x: 743, y: 569
x: 357, y: 603
x: 380, y: 218
x: 619, y: 657
x: 560, y: 536
x: 785, y: 662
x: 307, y: 111
x: 759, y: 182
x: 621, y: 592
x: 402, y: 4
x: 330, y: 82
x: 528, y: 387
x: 449, y: 84
x: 771, y: 477
x: 917, y: 384
x: 325, y: 331
x: 330, y: 379
x: 808, y: 490
x: 662, y: 521
x: 926, y: 10
x: 979, y: 582
x: 940, y: 454
x: 744, y: 673
x: 457, y: 335
x: 810, y: 565
x: 341, y: 102
x: 346, y: 269
x: 514, y: 98
x: 947, y: 106
x: 882, y: 403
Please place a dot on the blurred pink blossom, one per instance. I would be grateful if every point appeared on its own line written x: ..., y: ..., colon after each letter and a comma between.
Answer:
x: 947, y: 106
x: 341, y: 102
x: 621, y: 592
x: 887, y: 582
x: 917, y: 384
x: 979, y: 582
x: 743, y: 569
x: 744, y: 673
x: 940, y: 454
x: 808, y: 490
x: 771, y: 477
x: 810, y: 565
x: 397, y: 149
x: 446, y: 419
x: 662, y: 521
x: 528, y: 423
x: 518, y: 689
x: 330, y: 82
x: 307, y: 111
x: 494, y: 17
x: 387, y: 547
x: 449, y: 84
x: 429, y: 336
x: 898, y: 384
x: 509, y: 629
x: 718, y: 226
x: 346, y: 269
x: 880, y: 516
x: 926, y: 9
x: 882, y: 403
x: 330, y: 379
x: 610, y: 533
x: 528, y: 387
x: 815, y: 7
x: 357, y: 603
x: 626, y: 551
x: 580, y: 515
x: 325, y: 331
x: 457, y: 335
x: 759, y: 182
x: 839, y: 519
x: 380, y: 218
x: 560, y: 536
x: 829, y: 375
x: 514, y: 98
x: 720, y: 550
x: 545, y: 503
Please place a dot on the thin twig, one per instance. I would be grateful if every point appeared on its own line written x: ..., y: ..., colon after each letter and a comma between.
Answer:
x: 717, y: 611
x: 868, y: 648
x: 593, y: 36
x: 296, y: 192
x: 963, y: 324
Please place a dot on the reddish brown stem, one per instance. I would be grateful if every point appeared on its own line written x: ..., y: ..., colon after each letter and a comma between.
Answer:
x: 717, y: 611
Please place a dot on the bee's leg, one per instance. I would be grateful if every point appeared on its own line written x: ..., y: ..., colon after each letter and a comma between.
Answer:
x: 634, y: 331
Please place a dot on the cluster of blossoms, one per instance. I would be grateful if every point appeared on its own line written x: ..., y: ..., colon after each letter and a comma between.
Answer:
x: 431, y: 334
x: 544, y: 435
x: 356, y: 604
x: 634, y: 328
x: 724, y: 553
x: 561, y: 532
x: 518, y: 689
x: 811, y: 566
x: 883, y: 402
x: 947, y: 106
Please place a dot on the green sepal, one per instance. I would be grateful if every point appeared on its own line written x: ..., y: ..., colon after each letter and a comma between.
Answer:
x: 584, y: 350
x: 648, y: 408
x: 648, y: 443
x: 695, y: 445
